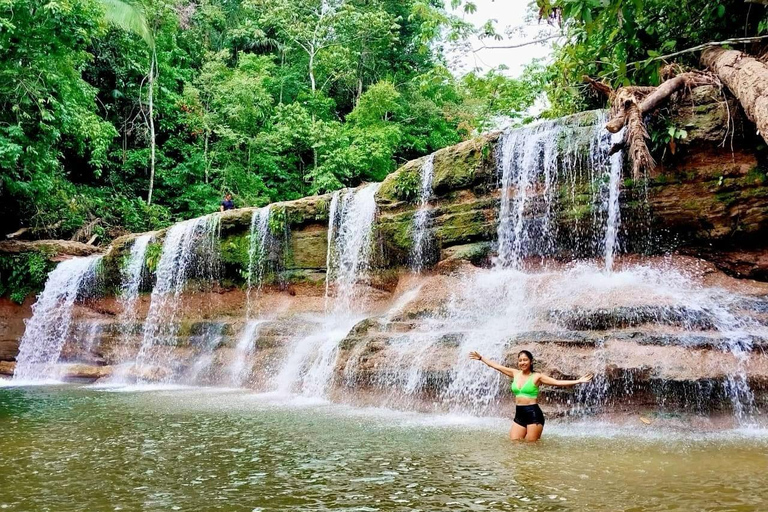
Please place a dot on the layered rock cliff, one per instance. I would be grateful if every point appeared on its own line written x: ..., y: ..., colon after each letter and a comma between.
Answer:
x: 658, y: 332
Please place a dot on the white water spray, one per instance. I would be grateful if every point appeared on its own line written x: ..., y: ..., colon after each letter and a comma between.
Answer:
x: 49, y: 327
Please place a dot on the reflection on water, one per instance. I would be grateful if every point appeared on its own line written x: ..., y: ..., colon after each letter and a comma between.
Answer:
x: 67, y: 448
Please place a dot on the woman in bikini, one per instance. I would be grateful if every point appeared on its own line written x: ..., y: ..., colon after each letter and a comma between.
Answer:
x: 529, y: 420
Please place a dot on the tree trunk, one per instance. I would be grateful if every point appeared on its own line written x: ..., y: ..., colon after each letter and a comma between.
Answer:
x: 312, y: 72
x: 151, y: 126
x: 205, y: 155
x: 747, y: 79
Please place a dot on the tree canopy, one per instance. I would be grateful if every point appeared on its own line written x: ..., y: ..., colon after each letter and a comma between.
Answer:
x: 129, y: 114
x: 270, y: 100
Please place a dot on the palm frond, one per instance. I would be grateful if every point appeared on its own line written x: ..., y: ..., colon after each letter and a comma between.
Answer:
x: 129, y: 17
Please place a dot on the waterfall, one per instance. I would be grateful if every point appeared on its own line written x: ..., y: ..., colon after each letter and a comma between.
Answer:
x: 333, y: 211
x: 614, y: 212
x: 421, y: 218
x: 48, y: 329
x: 190, y: 249
x: 350, y: 231
x: 523, y: 151
x: 238, y: 371
x: 539, y: 165
x: 87, y: 336
x: 204, y: 344
x: 737, y: 340
x: 133, y: 272
x: 310, y: 363
x: 258, y: 250
x: 132, y: 275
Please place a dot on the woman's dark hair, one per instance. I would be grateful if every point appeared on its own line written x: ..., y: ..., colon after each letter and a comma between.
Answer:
x: 528, y: 354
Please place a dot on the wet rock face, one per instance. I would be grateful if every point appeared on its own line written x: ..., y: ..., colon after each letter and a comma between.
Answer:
x: 410, y: 350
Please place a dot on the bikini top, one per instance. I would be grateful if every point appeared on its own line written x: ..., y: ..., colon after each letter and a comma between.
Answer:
x: 529, y: 389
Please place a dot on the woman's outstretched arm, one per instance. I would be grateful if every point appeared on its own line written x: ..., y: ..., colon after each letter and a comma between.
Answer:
x: 509, y: 372
x: 549, y: 381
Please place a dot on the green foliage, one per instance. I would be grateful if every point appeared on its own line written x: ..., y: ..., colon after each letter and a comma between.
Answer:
x: 278, y: 220
x: 152, y: 256
x: 235, y: 253
x: 407, y: 184
x: 267, y: 99
x: 664, y: 135
x: 23, y: 274
x: 129, y: 17
x: 625, y: 42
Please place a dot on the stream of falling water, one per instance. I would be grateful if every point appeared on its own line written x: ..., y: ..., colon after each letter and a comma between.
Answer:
x: 614, y: 212
x: 258, y: 250
x: 239, y: 369
x: 190, y: 248
x: 422, y: 215
x: 133, y: 272
x: 488, y: 310
x: 350, y: 248
x: 204, y: 344
x: 132, y: 276
x: 537, y: 164
x: 261, y: 239
x: 48, y: 329
x: 310, y: 363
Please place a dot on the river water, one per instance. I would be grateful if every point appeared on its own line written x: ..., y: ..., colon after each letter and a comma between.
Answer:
x: 85, y: 448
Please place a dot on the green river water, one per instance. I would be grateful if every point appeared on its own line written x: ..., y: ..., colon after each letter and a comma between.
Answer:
x: 77, y: 448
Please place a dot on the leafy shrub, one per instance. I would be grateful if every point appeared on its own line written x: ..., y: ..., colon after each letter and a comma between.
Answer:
x: 23, y: 274
x: 407, y: 185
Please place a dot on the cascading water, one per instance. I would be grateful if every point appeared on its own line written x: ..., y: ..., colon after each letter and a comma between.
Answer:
x: 47, y: 330
x: 133, y: 272
x: 190, y: 249
x: 132, y: 276
x: 350, y: 248
x: 238, y: 370
x: 494, y: 307
x: 535, y: 163
x: 520, y: 152
x: 258, y: 250
x: 421, y: 217
x: 418, y: 349
x: 204, y: 344
x: 333, y: 211
x: 614, y: 212
x: 310, y: 364
x: 483, y: 315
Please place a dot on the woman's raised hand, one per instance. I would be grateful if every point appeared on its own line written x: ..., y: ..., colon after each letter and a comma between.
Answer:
x: 586, y: 378
x: 475, y: 355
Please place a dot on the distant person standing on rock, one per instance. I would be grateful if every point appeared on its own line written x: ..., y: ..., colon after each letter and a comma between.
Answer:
x: 529, y: 420
x: 227, y: 203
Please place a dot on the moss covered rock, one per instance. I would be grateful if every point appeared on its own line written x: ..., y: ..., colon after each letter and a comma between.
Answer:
x: 466, y: 165
x: 477, y: 253
x: 308, y: 248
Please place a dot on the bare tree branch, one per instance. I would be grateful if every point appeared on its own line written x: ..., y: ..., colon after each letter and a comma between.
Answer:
x: 735, y: 40
x: 527, y: 43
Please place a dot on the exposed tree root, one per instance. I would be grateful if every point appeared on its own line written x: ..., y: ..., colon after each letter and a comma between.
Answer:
x: 630, y: 104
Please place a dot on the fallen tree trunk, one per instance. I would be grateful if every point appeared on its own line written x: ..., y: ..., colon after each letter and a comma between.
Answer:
x: 747, y: 79
x: 54, y: 249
